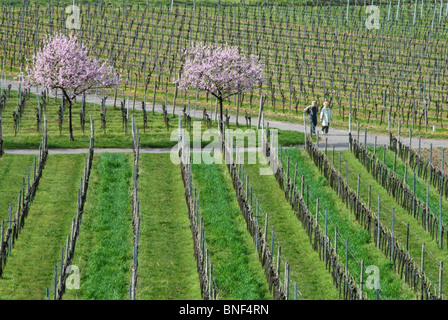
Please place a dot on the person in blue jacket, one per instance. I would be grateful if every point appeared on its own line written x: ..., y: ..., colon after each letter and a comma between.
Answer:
x: 312, y: 112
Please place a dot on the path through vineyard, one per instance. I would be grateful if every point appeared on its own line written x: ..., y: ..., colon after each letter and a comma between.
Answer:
x: 336, y: 138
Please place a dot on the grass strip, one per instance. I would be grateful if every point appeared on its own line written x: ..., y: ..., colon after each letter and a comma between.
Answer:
x: 306, y: 269
x: 166, y: 268
x: 104, y: 252
x: 417, y: 235
x: 13, y: 168
x: 420, y: 183
x: 237, y: 272
x: 361, y: 246
x: 29, y: 270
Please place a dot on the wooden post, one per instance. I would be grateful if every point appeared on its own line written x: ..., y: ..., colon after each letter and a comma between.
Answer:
x: 1, y: 137
x: 326, y: 234
x: 357, y: 189
x: 336, y: 239
x: 295, y: 290
x: 256, y: 220
x: 374, y: 148
x: 365, y: 146
x: 395, y: 162
x: 303, y: 186
x: 55, y: 281
x: 346, y: 173
x: 333, y: 157
x: 440, y: 221
x: 422, y: 260
x: 361, y: 283
x: 1, y: 245
x: 265, y: 227
x: 405, y: 173
x: 440, y: 278
x: 392, y: 234
x: 346, y: 255
x: 378, y: 231
x: 307, y: 196
x: 339, y: 170
x: 443, y: 163
x: 261, y: 110
x: 279, y: 252
x: 419, y: 151
x: 350, y: 123
x: 287, y: 280
x: 357, y: 130
x: 407, y: 239
x: 378, y: 290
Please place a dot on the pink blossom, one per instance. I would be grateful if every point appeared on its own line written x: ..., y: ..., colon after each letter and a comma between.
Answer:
x: 63, y: 64
x: 221, y: 70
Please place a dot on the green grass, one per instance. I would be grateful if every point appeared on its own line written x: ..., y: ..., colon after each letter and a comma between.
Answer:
x: 29, y: 270
x: 420, y: 185
x: 237, y: 271
x: 306, y: 269
x: 417, y: 234
x: 13, y: 168
x: 361, y: 243
x: 166, y: 268
x: 104, y: 248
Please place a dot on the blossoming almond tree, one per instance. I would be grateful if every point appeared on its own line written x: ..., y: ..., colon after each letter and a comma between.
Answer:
x: 63, y: 64
x: 223, y: 71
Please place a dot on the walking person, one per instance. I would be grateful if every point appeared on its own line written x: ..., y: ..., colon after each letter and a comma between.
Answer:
x: 325, y: 117
x: 312, y: 111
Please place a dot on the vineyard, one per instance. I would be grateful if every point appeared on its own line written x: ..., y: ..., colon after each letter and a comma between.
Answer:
x: 139, y: 206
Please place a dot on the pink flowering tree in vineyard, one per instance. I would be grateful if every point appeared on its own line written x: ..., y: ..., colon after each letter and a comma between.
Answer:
x: 63, y: 64
x: 223, y: 71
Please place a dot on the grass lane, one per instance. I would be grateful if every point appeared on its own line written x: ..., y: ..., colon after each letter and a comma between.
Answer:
x: 402, y: 218
x: 420, y: 183
x: 29, y: 270
x: 104, y: 248
x: 13, y: 168
x: 166, y: 267
x: 306, y: 269
x: 237, y: 271
x: 361, y: 245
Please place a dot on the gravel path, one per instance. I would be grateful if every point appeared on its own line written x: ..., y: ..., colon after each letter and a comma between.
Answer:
x: 336, y: 138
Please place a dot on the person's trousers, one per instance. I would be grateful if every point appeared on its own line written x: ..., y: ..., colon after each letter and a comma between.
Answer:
x: 325, y: 129
x: 313, y: 121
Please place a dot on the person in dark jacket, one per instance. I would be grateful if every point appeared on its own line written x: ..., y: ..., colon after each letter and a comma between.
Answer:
x: 312, y: 111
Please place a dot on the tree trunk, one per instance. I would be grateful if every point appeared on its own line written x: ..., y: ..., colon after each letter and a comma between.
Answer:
x: 70, y: 126
x: 221, y: 122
